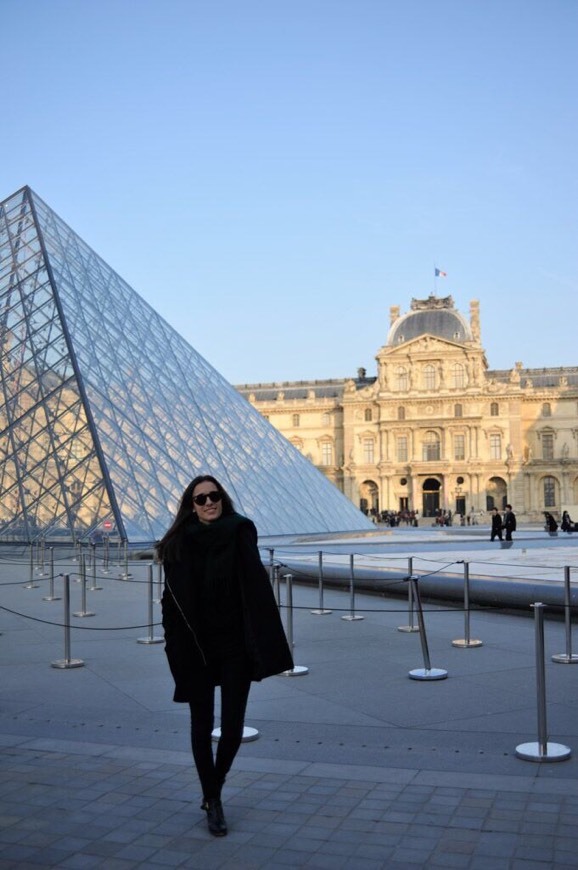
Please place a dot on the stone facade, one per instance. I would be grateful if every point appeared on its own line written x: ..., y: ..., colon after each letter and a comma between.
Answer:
x: 436, y: 428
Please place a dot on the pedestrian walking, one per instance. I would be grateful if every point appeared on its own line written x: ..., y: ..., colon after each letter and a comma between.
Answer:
x: 496, y: 524
x: 509, y: 522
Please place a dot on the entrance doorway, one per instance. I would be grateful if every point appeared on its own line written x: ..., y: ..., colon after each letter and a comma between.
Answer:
x: 431, y: 497
x: 496, y: 494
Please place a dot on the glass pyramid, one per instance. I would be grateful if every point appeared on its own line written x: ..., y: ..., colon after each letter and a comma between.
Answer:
x: 107, y: 413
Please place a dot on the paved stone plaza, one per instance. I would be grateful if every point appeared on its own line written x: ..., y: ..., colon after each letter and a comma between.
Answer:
x: 356, y: 765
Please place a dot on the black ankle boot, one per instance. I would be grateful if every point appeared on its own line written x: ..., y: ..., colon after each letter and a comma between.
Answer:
x: 215, y: 817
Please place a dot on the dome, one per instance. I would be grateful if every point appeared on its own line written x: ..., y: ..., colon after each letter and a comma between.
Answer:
x: 432, y: 316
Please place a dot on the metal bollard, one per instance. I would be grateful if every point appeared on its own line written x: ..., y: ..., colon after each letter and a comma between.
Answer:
x: 51, y: 596
x: 297, y: 670
x: 67, y: 661
x: 126, y: 575
x: 83, y: 611
x: 93, y: 587
x: 151, y: 638
x: 321, y: 611
x: 542, y: 750
x: 31, y: 584
x: 410, y: 609
x: 352, y: 616
x: 427, y: 672
x: 567, y: 658
x: 466, y: 642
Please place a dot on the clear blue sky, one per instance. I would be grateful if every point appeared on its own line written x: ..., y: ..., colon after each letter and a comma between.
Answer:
x: 272, y: 175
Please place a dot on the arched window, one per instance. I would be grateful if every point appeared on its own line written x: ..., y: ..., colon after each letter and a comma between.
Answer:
x: 429, y: 377
x: 402, y: 376
x: 458, y: 376
x: 296, y: 420
x: 458, y: 411
x: 431, y: 447
x: 494, y: 409
x: 368, y: 415
x: 549, y: 492
x: 401, y: 413
x: 546, y: 409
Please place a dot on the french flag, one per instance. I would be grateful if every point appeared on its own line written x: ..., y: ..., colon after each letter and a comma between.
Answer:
x: 440, y: 274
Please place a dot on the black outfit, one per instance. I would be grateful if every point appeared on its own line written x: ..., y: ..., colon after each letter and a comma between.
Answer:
x: 509, y: 524
x: 496, y: 526
x: 222, y: 628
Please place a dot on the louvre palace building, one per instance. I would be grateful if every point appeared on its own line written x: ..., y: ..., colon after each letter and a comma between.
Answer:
x: 436, y: 429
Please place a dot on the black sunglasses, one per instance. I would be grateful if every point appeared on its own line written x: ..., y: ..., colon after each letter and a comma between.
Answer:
x: 215, y: 497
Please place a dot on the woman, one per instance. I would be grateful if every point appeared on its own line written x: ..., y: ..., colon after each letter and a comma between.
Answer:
x: 222, y: 626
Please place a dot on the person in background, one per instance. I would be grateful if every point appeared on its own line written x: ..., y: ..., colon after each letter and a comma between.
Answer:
x: 222, y: 626
x: 509, y: 522
x: 496, y: 524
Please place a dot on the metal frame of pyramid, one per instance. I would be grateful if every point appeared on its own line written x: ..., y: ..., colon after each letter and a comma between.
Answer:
x: 107, y: 412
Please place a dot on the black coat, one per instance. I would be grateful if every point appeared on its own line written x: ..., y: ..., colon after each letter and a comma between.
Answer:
x: 264, y: 637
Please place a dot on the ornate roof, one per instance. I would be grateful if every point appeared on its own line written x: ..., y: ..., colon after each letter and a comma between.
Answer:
x: 432, y: 316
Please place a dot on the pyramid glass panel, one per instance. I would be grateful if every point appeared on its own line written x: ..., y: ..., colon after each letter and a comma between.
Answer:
x: 107, y: 413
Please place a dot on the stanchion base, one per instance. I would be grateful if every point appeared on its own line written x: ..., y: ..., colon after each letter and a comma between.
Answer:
x: 297, y: 671
x: 466, y: 644
x: 532, y: 752
x: 68, y: 663
x: 150, y: 640
x: 249, y: 734
x: 320, y: 612
x: 52, y: 598
x: 124, y: 577
x: 94, y: 588
x: 352, y: 618
x: 563, y: 658
x: 408, y: 628
x: 425, y: 674
x: 32, y: 586
x: 84, y: 613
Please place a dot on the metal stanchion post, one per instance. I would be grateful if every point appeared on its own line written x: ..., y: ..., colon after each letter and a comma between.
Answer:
x: 41, y: 548
x: 277, y: 584
x: 466, y: 642
x: 159, y: 597
x: 105, y: 554
x: 83, y: 611
x: 351, y: 616
x: 31, y: 584
x: 271, y: 565
x: 410, y: 627
x: 542, y: 750
x: 427, y: 672
x: 567, y: 658
x: 94, y: 587
x: 51, y: 596
x: 67, y: 661
x: 125, y: 575
x: 151, y: 638
x: 297, y: 670
x: 321, y: 611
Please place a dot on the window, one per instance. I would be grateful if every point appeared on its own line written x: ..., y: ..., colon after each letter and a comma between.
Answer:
x: 401, y: 413
x: 549, y: 492
x: 327, y: 453
x: 546, y: 409
x: 431, y: 447
x: 495, y: 446
x: 402, y: 379
x: 429, y: 377
x: 459, y: 447
x: 325, y: 419
x: 296, y: 420
x: 401, y: 448
x: 494, y: 409
x: 458, y: 376
x: 458, y: 411
x: 368, y: 450
x: 547, y: 445
x: 368, y: 415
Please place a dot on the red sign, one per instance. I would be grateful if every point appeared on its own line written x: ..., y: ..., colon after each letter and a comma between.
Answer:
x: 107, y: 525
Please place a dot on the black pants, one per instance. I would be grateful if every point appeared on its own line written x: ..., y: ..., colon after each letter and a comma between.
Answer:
x: 497, y: 532
x: 234, y: 677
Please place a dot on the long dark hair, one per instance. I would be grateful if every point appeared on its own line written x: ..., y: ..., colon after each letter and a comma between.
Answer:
x: 170, y: 542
